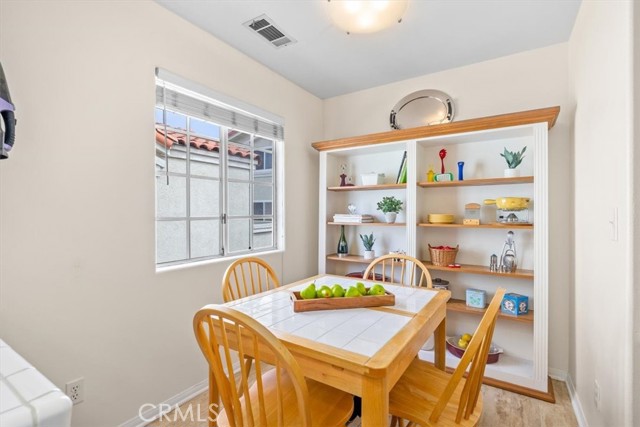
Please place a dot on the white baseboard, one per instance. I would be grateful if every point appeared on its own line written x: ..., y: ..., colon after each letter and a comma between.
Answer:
x: 152, y: 412
x: 575, y: 402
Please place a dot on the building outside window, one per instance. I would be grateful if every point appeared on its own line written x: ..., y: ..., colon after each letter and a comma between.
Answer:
x: 216, y: 181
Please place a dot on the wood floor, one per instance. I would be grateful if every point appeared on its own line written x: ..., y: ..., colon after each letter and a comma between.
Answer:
x: 501, y: 408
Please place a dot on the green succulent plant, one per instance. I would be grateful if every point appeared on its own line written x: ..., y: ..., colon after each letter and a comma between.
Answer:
x: 390, y: 204
x: 368, y: 241
x: 513, y: 158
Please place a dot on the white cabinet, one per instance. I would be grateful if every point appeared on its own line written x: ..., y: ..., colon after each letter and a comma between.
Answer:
x: 478, y: 142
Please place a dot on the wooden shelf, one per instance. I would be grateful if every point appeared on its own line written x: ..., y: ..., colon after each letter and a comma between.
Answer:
x: 481, y: 269
x: 548, y: 115
x: 492, y: 225
x: 368, y: 187
x: 460, y: 306
x: 355, y: 259
x: 375, y: 224
x: 477, y: 182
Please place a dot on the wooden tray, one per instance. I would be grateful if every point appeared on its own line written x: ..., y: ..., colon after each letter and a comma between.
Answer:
x: 300, y: 304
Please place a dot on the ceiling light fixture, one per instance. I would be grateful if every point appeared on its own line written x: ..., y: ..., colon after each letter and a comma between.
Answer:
x: 366, y: 16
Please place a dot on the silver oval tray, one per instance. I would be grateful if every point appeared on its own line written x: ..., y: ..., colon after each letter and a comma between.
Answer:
x: 422, y: 108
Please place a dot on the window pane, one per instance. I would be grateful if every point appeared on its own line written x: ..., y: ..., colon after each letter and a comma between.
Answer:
x: 174, y: 120
x: 262, y: 233
x: 177, y: 158
x: 239, y: 234
x: 258, y: 208
x: 239, y: 138
x: 239, y: 195
x: 205, y: 197
x: 264, y: 156
x: 171, y: 199
x: 263, y: 193
x: 205, y: 238
x: 207, y: 130
x: 171, y: 241
x: 205, y: 163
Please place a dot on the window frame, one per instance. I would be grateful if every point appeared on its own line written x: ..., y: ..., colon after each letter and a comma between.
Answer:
x: 224, y: 230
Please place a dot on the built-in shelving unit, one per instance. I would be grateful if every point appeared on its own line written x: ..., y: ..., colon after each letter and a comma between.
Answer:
x: 477, y: 182
x: 480, y: 269
x: 523, y: 367
x: 462, y: 307
x: 493, y: 225
x: 367, y: 187
x: 373, y: 224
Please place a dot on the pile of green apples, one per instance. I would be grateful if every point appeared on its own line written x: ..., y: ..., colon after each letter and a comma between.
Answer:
x: 337, y: 291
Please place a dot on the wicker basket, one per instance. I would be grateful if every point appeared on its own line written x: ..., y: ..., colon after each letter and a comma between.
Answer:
x: 443, y: 257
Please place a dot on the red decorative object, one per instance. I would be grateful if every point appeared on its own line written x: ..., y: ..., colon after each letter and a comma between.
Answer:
x: 443, y: 154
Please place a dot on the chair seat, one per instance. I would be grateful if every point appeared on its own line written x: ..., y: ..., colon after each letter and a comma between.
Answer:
x: 424, y: 383
x: 328, y: 406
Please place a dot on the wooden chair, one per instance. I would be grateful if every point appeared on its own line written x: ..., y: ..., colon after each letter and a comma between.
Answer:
x: 279, y: 397
x: 409, y: 267
x: 425, y: 395
x: 248, y: 276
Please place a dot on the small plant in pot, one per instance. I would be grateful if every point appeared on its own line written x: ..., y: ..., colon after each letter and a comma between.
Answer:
x: 513, y: 159
x: 368, y: 242
x: 390, y: 206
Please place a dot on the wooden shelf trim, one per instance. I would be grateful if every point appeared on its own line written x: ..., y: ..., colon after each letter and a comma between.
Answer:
x: 460, y: 306
x: 356, y: 259
x: 481, y: 269
x: 492, y: 225
x: 375, y: 224
x: 548, y: 115
x: 477, y: 182
x: 368, y: 187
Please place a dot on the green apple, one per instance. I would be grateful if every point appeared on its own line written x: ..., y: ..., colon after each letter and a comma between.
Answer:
x: 324, y: 292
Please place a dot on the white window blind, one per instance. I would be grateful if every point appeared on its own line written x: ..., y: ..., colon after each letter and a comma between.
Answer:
x: 176, y: 92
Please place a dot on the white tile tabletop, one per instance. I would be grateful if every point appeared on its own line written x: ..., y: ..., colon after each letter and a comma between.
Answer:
x: 360, y: 330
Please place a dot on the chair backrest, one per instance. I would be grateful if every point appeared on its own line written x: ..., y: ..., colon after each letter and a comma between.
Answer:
x: 216, y: 327
x: 412, y: 271
x: 248, y: 276
x: 475, y: 355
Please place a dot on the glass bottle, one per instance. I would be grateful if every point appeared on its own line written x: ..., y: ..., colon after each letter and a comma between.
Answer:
x: 430, y: 174
x: 343, y: 249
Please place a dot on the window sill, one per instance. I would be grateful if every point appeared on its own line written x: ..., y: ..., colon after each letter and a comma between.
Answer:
x: 187, y: 264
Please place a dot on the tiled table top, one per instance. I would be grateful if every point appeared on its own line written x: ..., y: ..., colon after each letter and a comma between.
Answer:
x: 359, y: 330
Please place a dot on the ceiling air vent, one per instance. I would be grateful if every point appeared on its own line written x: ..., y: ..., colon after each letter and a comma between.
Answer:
x: 265, y: 27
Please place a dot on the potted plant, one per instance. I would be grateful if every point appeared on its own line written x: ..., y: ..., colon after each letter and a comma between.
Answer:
x: 368, y: 242
x: 390, y: 206
x: 513, y: 159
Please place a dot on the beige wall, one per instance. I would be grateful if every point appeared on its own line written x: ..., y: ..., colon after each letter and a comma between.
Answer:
x: 600, y: 52
x: 524, y: 81
x: 79, y: 293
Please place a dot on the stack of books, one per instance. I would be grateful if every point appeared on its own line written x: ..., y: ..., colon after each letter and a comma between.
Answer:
x: 352, y: 218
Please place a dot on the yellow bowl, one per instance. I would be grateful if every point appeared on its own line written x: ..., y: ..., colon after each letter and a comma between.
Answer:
x: 441, y: 218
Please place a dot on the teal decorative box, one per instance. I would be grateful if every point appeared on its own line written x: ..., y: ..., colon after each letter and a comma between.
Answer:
x: 515, y: 304
x: 476, y: 298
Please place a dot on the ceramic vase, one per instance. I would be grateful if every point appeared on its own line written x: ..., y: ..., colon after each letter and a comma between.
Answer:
x: 369, y: 254
x: 390, y: 217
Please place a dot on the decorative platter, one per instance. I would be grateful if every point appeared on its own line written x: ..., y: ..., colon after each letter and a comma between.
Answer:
x: 422, y: 108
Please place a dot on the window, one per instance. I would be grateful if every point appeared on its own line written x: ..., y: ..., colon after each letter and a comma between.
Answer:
x: 216, y: 187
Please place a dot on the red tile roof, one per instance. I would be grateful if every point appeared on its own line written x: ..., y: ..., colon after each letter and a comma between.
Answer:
x: 180, y: 138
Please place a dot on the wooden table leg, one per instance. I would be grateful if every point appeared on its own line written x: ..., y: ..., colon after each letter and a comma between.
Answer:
x: 375, y: 402
x: 214, y: 401
x: 439, y: 337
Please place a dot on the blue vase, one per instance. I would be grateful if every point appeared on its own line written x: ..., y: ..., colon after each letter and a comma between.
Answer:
x: 460, y: 175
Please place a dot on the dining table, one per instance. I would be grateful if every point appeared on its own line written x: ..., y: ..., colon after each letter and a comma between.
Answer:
x: 362, y: 351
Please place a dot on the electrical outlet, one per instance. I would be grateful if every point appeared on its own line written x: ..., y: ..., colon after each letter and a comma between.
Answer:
x: 75, y: 390
x: 596, y: 394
